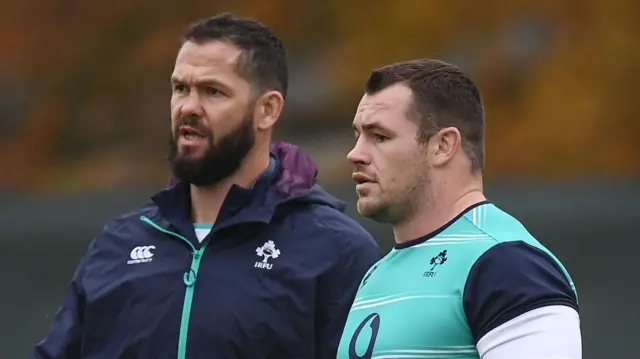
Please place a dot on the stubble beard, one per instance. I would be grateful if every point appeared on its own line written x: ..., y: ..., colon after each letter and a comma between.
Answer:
x: 391, y: 208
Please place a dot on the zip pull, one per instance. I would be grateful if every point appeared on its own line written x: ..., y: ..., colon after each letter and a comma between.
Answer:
x: 189, y: 278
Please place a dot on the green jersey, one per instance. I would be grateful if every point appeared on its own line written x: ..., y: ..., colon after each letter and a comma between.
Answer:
x: 436, y: 296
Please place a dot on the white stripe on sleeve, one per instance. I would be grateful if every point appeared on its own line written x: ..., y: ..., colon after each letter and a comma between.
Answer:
x: 551, y: 332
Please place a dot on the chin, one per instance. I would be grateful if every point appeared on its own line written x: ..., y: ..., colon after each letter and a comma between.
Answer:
x: 191, y: 156
x: 367, y: 206
x: 375, y: 210
x: 187, y: 151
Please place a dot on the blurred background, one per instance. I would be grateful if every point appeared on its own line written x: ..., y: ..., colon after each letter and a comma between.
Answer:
x: 84, y: 100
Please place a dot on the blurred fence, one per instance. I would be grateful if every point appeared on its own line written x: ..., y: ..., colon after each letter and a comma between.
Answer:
x: 590, y: 226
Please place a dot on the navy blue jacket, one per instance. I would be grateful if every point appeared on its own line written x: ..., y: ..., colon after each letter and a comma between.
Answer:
x: 147, y: 288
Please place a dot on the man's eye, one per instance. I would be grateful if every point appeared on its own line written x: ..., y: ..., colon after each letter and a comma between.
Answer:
x: 179, y: 88
x: 214, y: 91
x: 380, y: 138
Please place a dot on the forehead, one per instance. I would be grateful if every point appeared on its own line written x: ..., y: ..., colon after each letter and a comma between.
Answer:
x: 217, y: 59
x: 387, y: 108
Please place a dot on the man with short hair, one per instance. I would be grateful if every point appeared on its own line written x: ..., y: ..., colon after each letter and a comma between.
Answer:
x: 245, y: 256
x: 465, y: 279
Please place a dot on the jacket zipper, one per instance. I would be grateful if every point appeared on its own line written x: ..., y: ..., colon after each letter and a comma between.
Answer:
x: 189, y: 280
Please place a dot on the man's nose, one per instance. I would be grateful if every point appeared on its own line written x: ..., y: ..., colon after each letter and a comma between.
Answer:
x: 192, y: 105
x: 358, y: 154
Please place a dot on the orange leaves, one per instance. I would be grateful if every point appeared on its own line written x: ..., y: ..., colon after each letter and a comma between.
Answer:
x: 562, y: 106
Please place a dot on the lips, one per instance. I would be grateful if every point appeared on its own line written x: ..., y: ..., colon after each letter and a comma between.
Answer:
x: 361, y: 178
x: 189, y: 132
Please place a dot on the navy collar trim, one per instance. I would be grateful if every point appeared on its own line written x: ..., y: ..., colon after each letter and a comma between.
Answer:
x: 425, y: 238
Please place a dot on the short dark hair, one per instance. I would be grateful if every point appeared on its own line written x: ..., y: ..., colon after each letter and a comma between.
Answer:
x: 264, y: 59
x: 443, y: 96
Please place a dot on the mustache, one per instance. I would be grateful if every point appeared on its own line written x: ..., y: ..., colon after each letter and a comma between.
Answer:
x: 192, y: 121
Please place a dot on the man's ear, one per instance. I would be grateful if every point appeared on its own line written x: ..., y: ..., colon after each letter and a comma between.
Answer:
x: 445, y: 143
x: 268, y: 109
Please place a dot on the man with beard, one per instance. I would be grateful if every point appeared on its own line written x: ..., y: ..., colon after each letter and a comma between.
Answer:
x: 465, y: 279
x: 244, y: 256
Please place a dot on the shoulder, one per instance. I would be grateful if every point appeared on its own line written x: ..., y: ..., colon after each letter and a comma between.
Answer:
x: 335, y: 241
x: 328, y: 223
x: 316, y: 211
x: 125, y: 225
x: 511, y: 278
x: 115, y: 237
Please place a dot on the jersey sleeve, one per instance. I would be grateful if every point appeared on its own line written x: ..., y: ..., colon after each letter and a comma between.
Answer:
x: 547, y: 332
x: 510, y: 279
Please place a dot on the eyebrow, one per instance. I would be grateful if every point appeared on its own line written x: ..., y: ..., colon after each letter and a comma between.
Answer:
x: 205, y: 81
x: 372, y: 126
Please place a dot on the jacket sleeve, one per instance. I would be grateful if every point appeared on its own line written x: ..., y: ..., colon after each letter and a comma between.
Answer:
x: 64, y: 337
x: 338, y: 287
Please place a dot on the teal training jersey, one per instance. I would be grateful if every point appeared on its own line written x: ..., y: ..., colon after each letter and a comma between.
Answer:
x: 436, y: 296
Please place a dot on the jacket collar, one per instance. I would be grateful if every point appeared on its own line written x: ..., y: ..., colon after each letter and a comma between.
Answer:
x: 291, y: 176
x: 242, y: 205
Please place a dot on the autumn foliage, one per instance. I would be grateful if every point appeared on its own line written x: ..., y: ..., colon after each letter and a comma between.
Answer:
x: 85, y: 95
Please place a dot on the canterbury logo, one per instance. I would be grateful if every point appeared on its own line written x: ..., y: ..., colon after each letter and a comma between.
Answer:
x: 141, y: 254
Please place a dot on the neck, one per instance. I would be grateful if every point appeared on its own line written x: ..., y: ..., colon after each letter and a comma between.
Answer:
x: 206, y: 201
x: 438, y: 211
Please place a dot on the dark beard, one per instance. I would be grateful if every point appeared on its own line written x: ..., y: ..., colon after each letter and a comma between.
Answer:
x: 221, y: 159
